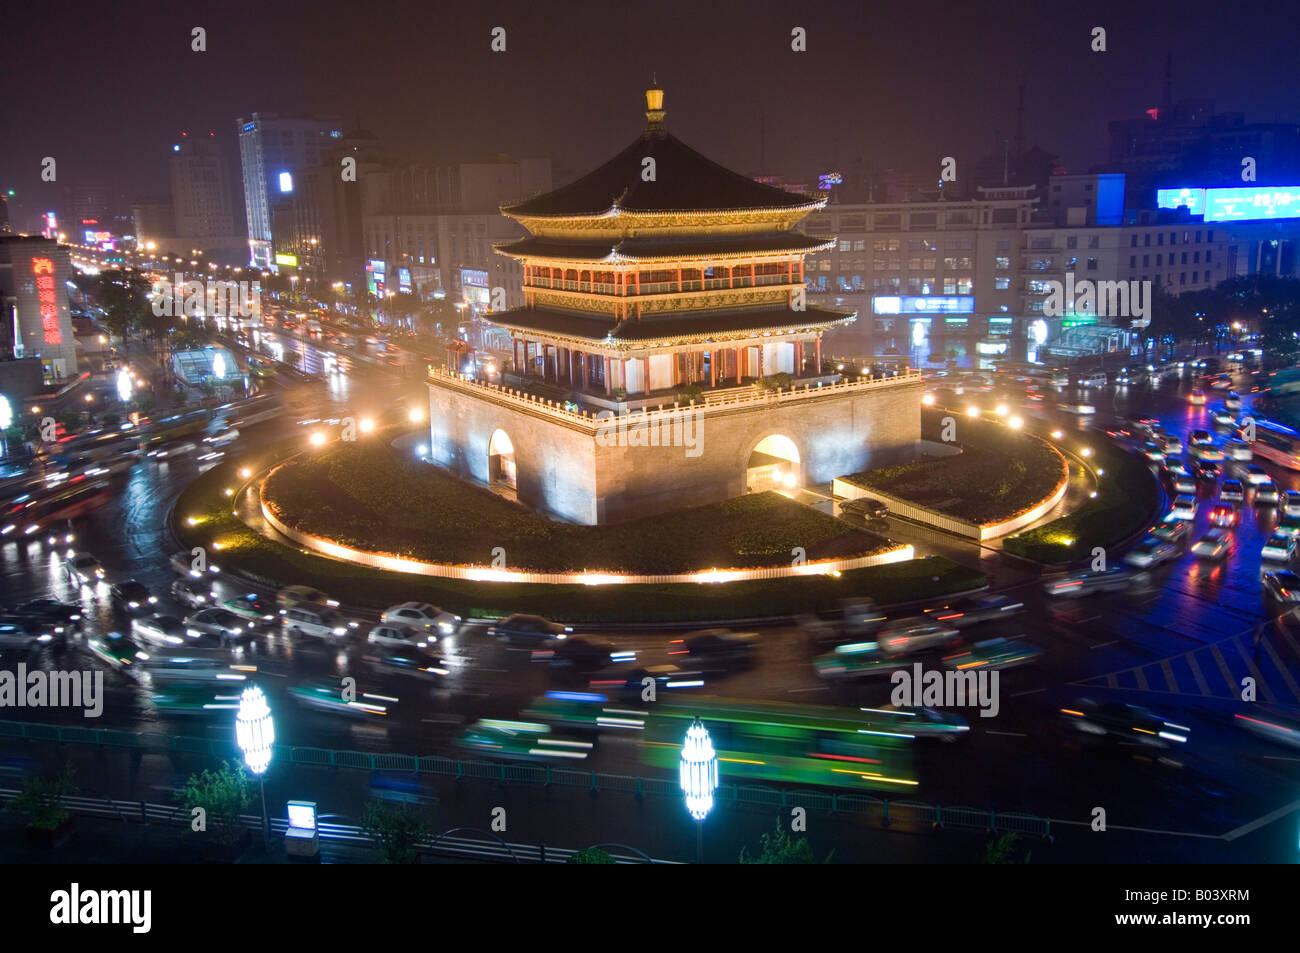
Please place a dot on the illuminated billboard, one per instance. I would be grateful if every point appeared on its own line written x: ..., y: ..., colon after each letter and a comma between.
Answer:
x: 1191, y: 199
x: 43, y: 269
x: 403, y: 279
x: 923, y: 304
x: 473, y: 277
x: 286, y: 182
x: 290, y: 260
x: 1235, y: 205
x: 1250, y: 203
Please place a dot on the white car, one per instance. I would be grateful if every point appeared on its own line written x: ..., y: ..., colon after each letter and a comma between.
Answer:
x: 1183, y: 483
x: 1184, y: 508
x: 320, y: 622
x: 398, y: 637
x: 1208, y: 453
x: 1257, y: 475
x: 1237, y: 450
x: 1150, y: 552
x: 1221, y: 418
x: 1266, y: 494
x: 1213, y: 545
x: 223, y: 437
x: 1081, y: 409
x: 159, y: 630
x: 1280, y: 547
x: 83, y: 569
x: 1291, y: 503
x: 183, y: 564
x: 421, y: 615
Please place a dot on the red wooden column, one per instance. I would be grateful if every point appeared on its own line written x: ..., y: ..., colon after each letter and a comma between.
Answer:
x: 679, y: 279
x: 798, y: 358
x: 713, y: 368
x: 761, y: 372
x: 818, y: 358
x: 609, y: 373
x: 738, y: 374
x: 645, y: 375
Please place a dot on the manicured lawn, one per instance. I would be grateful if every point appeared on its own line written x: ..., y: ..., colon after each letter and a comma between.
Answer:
x: 999, y: 473
x: 367, y: 496
x: 275, y: 564
x: 1127, y: 496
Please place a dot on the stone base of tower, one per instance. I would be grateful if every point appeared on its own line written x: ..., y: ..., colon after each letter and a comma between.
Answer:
x: 594, y: 470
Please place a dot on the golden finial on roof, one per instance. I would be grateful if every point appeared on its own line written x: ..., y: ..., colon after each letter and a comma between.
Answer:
x: 654, y: 102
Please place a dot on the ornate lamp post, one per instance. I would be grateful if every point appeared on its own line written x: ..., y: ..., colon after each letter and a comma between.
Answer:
x: 699, y: 778
x: 255, y: 734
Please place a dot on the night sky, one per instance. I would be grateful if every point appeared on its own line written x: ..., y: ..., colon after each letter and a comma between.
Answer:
x: 106, y: 88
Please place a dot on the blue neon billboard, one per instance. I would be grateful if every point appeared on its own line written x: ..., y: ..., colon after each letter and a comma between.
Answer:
x: 1250, y: 203
x: 1191, y: 199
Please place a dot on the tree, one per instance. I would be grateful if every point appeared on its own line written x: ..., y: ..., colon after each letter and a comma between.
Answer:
x: 774, y: 382
x: 1002, y: 850
x: 590, y: 855
x: 690, y: 393
x: 779, y: 847
x: 224, y: 795
x: 41, y: 799
x: 397, y: 829
x: 122, y: 295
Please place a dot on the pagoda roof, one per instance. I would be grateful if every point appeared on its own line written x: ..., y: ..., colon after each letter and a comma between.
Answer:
x: 684, y: 181
x: 673, y: 324
x: 649, y: 248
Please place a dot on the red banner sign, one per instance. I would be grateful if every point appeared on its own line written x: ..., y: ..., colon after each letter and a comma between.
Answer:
x: 43, y: 269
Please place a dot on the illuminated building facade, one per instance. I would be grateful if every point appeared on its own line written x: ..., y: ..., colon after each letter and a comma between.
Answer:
x: 33, y: 280
x: 663, y: 283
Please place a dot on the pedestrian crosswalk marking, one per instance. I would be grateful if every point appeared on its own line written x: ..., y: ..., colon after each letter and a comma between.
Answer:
x: 1165, y: 674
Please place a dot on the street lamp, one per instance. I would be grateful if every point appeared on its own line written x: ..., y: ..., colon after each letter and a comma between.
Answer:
x: 699, y: 778
x: 255, y: 734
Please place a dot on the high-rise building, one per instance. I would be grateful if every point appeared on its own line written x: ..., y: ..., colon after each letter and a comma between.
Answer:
x: 202, y: 197
x: 273, y: 150
x: 33, y: 287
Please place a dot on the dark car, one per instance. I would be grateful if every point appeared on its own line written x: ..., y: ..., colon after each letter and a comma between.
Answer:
x: 966, y: 612
x: 579, y: 654
x: 630, y: 682
x: 411, y: 661
x: 528, y: 628
x: 194, y: 593
x: 133, y: 597
x: 866, y: 508
x: 1205, y: 469
x: 721, y: 648
x: 63, y: 616
x: 1123, y: 723
x: 25, y: 633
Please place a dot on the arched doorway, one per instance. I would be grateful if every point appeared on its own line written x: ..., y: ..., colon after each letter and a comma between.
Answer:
x: 773, y: 465
x: 501, y: 460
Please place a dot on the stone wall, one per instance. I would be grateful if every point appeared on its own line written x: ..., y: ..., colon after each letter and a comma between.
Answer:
x: 565, y: 470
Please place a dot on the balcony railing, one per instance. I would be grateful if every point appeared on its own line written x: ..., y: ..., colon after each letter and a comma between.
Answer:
x: 722, y: 400
x: 647, y: 288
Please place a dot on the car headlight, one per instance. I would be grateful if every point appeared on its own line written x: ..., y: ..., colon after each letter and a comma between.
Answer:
x: 46, y: 637
x: 446, y: 627
x: 153, y: 600
x: 134, y: 605
x: 341, y: 630
x: 193, y: 632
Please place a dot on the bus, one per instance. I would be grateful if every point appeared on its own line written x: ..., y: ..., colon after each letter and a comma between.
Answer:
x: 1277, y: 443
x: 780, y: 741
x: 27, y: 514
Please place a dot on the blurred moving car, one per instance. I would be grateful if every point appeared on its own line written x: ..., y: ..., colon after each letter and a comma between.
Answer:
x: 183, y: 564
x: 398, y: 637
x: 1085, y: 583
x: 291, y: 596
x: 1282, y: 585
x: 193, y: 593
x: 1151, y: 551
x: 1173, y: 530
x: 1120, y: 722
x: 1222, y: 516
x: 221, y: 624
x: 920, y: 722
x: 1270, y: 724
x: 966, y: 612
x: 1231, y: 491
x: 1280, y: 547
x: 578, y: 653
x: 421, y: 615
x: 1266, y: 494
x: 915, y: 634
x: 718, y: 647
x: 117, y: 650
x: 252, y: 606
x: 522, y: 627
x: 867, y: 508
x: 159, y: 630
x: 995, y: 653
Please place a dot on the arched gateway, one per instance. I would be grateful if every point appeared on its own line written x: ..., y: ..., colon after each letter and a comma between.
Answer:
x: 773, y: 465
x: 501, y: 460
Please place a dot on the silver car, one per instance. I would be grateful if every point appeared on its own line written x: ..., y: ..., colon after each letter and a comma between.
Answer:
x: 220, y: 624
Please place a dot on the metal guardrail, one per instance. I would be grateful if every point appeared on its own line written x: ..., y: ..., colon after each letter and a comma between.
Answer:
x: 488, y: 848
x: 884, y: 811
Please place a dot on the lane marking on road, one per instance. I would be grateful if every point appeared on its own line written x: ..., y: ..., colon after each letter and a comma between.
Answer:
x: 1169, y: 677
x: 1279, y: 757
x: 1281, y: 668
x: 1261, y: 821
x: 1091, y: 618
x: 1102, y: 645
x: 1201, y: 683
x: 1011, y: 734
x: 1140, y: 830
x: 1141, y: 677
x: 819, y: 688
x: 1030, y: 692
x: 1228, y: 679
x: 1255, y: 672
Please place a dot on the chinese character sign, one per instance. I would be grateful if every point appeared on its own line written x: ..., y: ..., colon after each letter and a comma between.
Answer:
x: 43, y: 269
